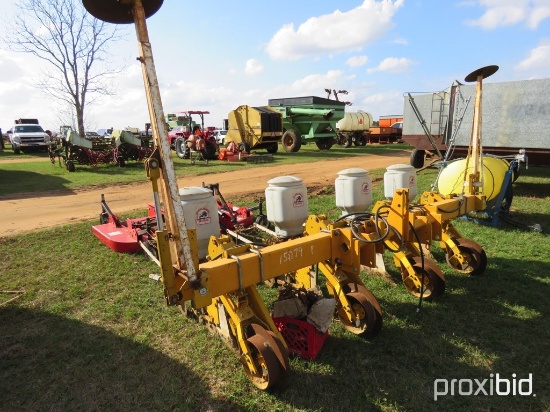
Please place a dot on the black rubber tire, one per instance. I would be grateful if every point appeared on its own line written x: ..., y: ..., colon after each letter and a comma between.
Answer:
x: 243, y: 147
x: 16, y: 150
x: 70, y: 166
x: 292, y: 141
x: 273, y: 148
x: 515, y: 171
x: 360, y: 140
x: 210, y: 151
x: 325, y: 144
x: 344, y: 140
x: 181, y: 148
x: 417, y: 158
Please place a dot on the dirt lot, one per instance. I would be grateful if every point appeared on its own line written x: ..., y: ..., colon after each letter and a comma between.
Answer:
x: 32, y: 211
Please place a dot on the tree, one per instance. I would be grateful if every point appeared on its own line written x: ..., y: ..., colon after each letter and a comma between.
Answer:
x: 73, y: 43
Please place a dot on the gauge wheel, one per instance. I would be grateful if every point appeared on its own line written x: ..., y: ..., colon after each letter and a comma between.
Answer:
x: 474, y: 258
x: 375, y: 324
x: 270, y: 371
x: 368, y: 317
x: 434, y: 280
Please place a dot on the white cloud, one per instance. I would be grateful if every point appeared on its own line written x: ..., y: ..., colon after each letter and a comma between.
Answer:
x: 334, y: 32
x: 382, y: 104
x: 253, y: 67
x: 401, y: 41
x: 511, y: 12
x: 357, y: 61
x: 538, y: 58
x: 393, y: 65
x: 316, y: 83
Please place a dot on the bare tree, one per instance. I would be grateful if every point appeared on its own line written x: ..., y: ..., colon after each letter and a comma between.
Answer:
x: 73, y: 43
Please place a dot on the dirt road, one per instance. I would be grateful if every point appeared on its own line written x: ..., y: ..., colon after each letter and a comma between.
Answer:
x: 32, y: 211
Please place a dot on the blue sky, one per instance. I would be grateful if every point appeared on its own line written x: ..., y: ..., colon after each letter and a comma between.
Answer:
x: 218, y: 55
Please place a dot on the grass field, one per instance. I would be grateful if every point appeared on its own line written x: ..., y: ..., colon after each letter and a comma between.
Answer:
x: 90, y: 331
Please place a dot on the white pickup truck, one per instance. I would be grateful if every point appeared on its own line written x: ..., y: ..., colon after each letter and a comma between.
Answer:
x: 26, y: 134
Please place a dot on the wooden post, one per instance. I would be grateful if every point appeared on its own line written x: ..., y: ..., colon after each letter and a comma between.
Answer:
x: 474, y: 180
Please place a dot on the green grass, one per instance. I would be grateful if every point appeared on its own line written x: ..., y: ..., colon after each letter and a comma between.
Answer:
x: 43, y: 176
x: 91, y: 330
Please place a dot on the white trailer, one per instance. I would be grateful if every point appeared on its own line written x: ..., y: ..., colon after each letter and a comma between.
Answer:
x: 515, y: 116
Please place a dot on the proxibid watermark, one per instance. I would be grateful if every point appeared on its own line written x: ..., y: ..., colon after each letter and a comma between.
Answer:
x: 494, y: 385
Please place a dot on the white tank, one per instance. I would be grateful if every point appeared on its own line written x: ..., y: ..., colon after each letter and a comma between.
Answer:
x: 355, y: 122
x: 353, y: 189
x: 400, y: 176
x: 286, y: 205
x: 200, y: 211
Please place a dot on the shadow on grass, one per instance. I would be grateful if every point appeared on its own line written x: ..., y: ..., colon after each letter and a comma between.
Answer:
x: 89, y: 368
x: 496, y: 323
x: 25, y: 184
x: 39, y: 153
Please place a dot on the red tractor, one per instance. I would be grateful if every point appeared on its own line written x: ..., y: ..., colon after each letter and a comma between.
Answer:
x: 179, y: 134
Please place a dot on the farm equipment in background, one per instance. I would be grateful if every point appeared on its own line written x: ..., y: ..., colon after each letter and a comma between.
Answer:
x: 130, y: 144
x: 93, y: 149
x: 75, y: 149
x: 139, y: 233
x: 179, y: 133
x: 515, y: 119
x: 353, y: 128
x: 308, y: 119
x: 255, y: 128
x: 388, y: 130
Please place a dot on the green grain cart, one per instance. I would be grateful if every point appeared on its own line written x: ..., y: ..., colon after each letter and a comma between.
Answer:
x: 308, y: 119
